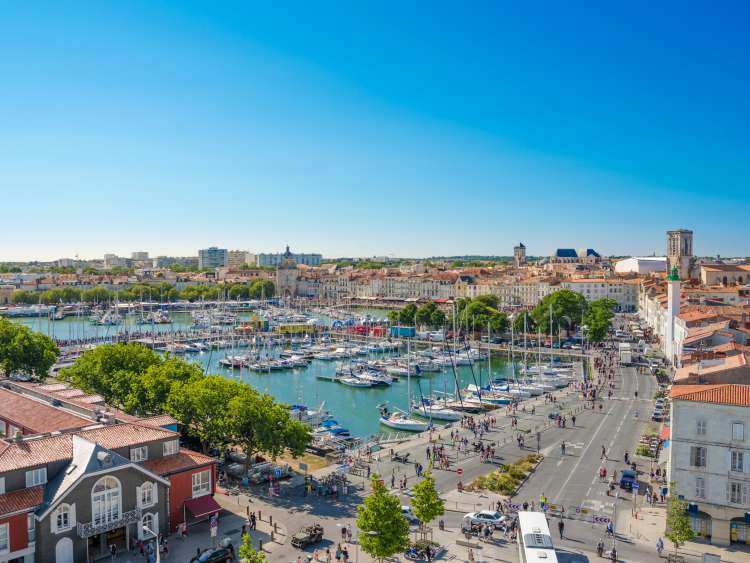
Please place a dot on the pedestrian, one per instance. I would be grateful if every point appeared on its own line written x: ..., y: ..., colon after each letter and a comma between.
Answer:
x: 113, y: 551
x: 659, y: 546
x: 561, y: 527
x: 471, y: 555
x: 604, y: 453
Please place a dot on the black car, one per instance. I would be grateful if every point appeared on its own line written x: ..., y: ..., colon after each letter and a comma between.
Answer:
x: 219, y: 555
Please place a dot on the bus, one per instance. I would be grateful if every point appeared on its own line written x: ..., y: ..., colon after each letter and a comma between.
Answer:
x: 534, y: 540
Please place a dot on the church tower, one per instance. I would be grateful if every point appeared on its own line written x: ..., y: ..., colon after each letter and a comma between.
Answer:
x: 519, y: 254
x: 680, y: 252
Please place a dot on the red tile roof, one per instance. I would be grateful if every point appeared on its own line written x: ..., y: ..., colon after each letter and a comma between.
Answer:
x: 725, y: 394
x: 22, y: 499
x: 184, y: 459
x: 157, y: 421
x: 36, y: 416
x: 40, y: 451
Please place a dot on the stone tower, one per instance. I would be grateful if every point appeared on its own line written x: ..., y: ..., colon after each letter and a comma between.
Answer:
x: 673, y: 310
x: 519, y: 254
x: 286, y: 275
x: 680, y: 252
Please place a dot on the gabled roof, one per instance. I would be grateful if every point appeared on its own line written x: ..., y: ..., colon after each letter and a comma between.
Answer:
x: 725, y: 394
x: 37, y: 416
x: 23, y: 499
x: 184, y: 459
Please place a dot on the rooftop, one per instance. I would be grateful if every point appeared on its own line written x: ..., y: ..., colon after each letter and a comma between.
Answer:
x: 726, y: 394
x: 37, y: 416
x: 184, y: 459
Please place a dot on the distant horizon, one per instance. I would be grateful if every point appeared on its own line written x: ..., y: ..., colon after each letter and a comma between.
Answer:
x: 373, y: 129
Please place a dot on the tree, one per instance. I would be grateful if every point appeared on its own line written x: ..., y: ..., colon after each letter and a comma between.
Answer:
x: 24, y: 297
x: 598, y: 318
x: 262, y: 289
x: 426, y: 502
x: 678, y: 523
x: 201, y: 407
x: 520, y: 325
x: 111, y: 370
x: 437, y: 318
x: 567, y: 310
x: 393, y: 316
x: 259, y: 424
x: 408, y: 314
x: 423, y: 315
x: 383, y: 529
x: 248, y: 554
x: 25, y: 351
x: 149, y: 392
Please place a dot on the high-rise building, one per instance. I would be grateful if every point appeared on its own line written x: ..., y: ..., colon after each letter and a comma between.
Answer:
x: 114, y: 261
x: 274, y: 260
x: 236, y: 258
x: 680, y: 252
x: 519, y: 254
x: 139, y: 256
x: 212, y: 257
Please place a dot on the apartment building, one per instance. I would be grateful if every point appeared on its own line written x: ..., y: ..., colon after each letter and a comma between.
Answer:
x: 624, y: 292
x: 709, y: 459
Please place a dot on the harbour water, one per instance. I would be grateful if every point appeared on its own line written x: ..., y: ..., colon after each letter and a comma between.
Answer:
x: 354, y: 408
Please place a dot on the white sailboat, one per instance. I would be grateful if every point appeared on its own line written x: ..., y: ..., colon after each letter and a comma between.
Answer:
x: 400, y: 420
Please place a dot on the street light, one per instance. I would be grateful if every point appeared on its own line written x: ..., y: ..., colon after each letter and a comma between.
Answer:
x: 148, y: 530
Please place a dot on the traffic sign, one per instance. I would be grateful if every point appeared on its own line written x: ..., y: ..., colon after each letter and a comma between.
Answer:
x: 277, y: 472
x: 636, y: 485
x: 459, y: 471
x: 515, y: 507
x: 601, y: 520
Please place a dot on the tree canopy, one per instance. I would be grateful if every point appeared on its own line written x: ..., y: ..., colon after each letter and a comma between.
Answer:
x: 598, y: 318
x: 426, y: 502
x: 248, y: 554
x: 383, y: 530
x: 678, y: 530
x: 25, y: 352
x: 567, y: 308
x: 480, y: 313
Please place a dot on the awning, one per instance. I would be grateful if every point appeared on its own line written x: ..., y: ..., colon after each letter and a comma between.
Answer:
x: 664, y: 434
x: 202, y: 506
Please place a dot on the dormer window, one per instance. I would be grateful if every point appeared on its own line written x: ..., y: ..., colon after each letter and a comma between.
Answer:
x: 139, y: 454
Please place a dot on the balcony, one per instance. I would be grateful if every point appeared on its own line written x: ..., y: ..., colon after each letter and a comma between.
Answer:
x: 88, y: 529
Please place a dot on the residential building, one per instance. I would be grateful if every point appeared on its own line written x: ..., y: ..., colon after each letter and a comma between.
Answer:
x: 66, y: 497
x: 680, y: 252
x: 709, y: 458
x: 139, y: 256
x: 237, y: 258
x: 622, y: 291
x: 114, y: 261
x: 575, y: 256
x: 274, y: 260
x: 725, y: 274
x: 212, y: 257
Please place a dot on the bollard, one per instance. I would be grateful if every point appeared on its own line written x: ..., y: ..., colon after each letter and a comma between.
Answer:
x: 275, y: 528
x: 272, y: 538
x: 270, y: 519
x: 260, y: 516
x: 247, y: 510
x: 260, y: 545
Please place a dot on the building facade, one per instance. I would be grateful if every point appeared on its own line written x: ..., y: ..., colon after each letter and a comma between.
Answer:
x: 212, y: 257
x: 709, y: 460
x: 273, y: 260
x: 519, y: 255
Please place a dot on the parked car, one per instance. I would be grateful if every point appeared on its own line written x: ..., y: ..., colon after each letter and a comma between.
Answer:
x: 219, y: 555
x: 409, y: 515
x: 486, y: 517
x: 627, y: 479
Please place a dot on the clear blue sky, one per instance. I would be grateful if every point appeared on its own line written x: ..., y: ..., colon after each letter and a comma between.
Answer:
x: 353, y: 128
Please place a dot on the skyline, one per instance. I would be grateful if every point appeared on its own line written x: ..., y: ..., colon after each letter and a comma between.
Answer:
x: 377, y: 131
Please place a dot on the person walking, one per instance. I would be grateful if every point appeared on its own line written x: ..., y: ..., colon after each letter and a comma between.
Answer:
x: 561, y: 527
x: 659, y: 546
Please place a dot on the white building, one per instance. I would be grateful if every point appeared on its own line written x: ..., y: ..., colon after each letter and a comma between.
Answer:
x: 709, y: 458
x: 114, y: 261
x: 642, y: 265
x: 274, y: 260
x: 624, y: 292
x: 236, y: 258
x: 140, y: 256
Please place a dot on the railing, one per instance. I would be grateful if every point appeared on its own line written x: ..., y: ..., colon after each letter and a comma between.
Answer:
x: 88, y: 529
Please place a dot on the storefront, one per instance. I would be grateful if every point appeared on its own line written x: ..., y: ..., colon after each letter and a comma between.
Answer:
x: 700, y: 522
x: 739, y: 529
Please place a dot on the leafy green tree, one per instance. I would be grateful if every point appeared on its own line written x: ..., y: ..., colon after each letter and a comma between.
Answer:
x: 248, y: 554
x: 477, y: 315
x: 97, y: 295
x: 489, y: 300
x: 407, y: 315
x: 426, y: 502
x: 383, y: 529
x: 149, y: 392
x: 110, y: 370
x: 393, y: 316
x: 262, y: 289
x: 423, y: 315
x: 24, y: 297
x: 598, y: 318
x: 25, y: 351
x: 519, y: 326
x: 678, y: 529
x: 567, y: 310
x: 259, y: 424
x: 201, y: 407
x: 437, y: 318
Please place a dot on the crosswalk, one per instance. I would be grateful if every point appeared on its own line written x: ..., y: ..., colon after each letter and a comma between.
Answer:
x: 594, y: 505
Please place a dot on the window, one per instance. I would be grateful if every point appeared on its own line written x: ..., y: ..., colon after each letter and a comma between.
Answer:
x: 31, y: 524
x: 201, y: 483
x: 698, y: 456
x: 151, y: 522
x: 62, y: 518
x: 171, y: 447
x: 36, y: 477
x: 734, y: 492
x: 139, y: 454
x: 737, y: 461
x: 700, y: 487
x: 701, y: 428
x: 3, y: 428
x: 147, y: 494
x: 4, y: 546
x: 2, y: 485
x: 738, y: 431
x: 105, y: 501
